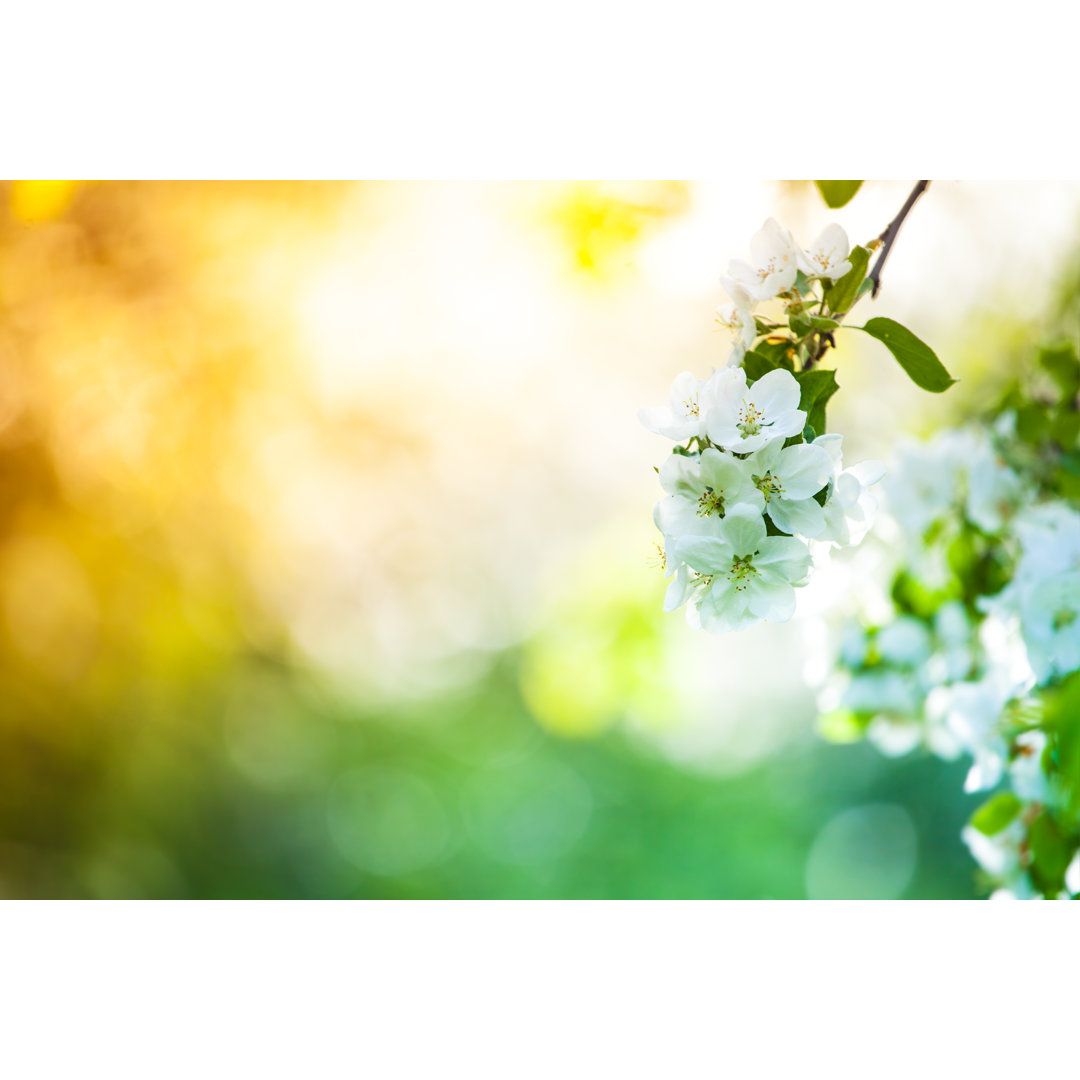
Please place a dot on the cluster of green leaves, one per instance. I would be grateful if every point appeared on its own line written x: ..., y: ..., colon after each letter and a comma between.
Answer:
x: 1051, y: 834
x: 1047, y: 408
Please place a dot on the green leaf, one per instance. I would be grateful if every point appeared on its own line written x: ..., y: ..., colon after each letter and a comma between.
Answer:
x: 1065, y: 426
x: 1068, y: 486
x: 1070, y: 462
x: 914, y: 356
x: 1050, y: 855
x: 1064, y: 367
x: 996, y: 814
x: 816, y: 387
x: 819, y: 322
x: 842, y: 726
x: 912, y: 597
x: 800, y: 324
x: 774, y: 354
x: 1063, y: 718
x: 1032, y: 422
x: 755, y: 365
x: 837, y: 193
x: 841, y: 294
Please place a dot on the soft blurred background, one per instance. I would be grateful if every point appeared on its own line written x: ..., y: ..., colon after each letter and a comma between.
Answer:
x: 325, y: 533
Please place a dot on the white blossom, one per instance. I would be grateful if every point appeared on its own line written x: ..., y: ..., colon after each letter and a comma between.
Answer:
x: 881, y: 690
x: 683, y: 417
x: 745, y: 575
x: 994, y: 492
x: 1050, y: 539
x: 998, y: 855
x: 972, y: 711
x: 700, y: 489
x: 926, y: 483
x: 1072, y: 875
x: 904, y: 642
x: 788, y: 479
x: 737, y: 318
x: 850, y: 506
x: 1050, y: 622
x: 1026, y: 775
x: 954, y: 630
x: 827, y: 256
x: 772, y: 267
x: 744, y: 419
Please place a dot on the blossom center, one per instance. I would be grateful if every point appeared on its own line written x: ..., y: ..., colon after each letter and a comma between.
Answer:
x: 751, y: 419
x: 691, y: 406
x: 711, y: 502
x: 769, y: 485
x: 742, y: 571
x: 659, y: 559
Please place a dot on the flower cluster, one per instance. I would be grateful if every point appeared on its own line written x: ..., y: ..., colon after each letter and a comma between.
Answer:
x: 981, y: 655
x: 756, y: 478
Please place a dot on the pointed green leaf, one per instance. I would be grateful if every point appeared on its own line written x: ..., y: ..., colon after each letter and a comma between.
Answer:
x: 816, y: 387
x: 841, y: 294
x: 837, y: 193
x: 1062, y: 364
x: 773, y: 355
x: 842, y: 726
x: 755, y: 365
x: 1033, y: 422
x: 914, y: 356
x: 1065, y: 428
x: 996, y: 814
x: 1050, y: 854
x: 800, y: 324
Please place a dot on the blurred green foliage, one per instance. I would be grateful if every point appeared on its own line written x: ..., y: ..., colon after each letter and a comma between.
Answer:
x: 262, y: 786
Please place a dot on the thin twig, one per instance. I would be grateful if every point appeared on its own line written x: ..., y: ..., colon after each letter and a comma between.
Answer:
x: 888, y: 237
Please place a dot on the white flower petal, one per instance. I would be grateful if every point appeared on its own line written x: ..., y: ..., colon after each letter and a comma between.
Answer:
x: 774, y: 601
x: 775, y: 392
x: 803, y: 516
x: 744, y: 530
x: 804, y: 470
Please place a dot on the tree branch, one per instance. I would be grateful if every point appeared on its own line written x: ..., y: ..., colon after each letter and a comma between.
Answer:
x: 888, y: 237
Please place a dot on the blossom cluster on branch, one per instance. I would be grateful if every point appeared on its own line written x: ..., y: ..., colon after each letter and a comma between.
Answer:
x: 754, y: 479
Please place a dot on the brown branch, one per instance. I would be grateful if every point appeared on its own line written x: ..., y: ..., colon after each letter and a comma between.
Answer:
x: 888, y: 237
